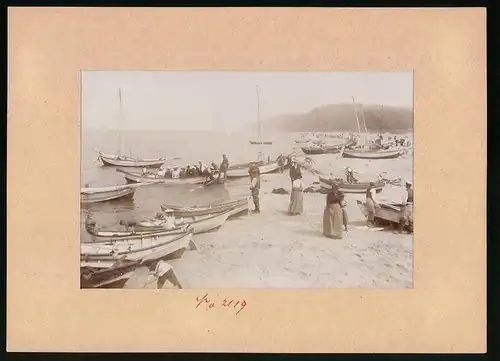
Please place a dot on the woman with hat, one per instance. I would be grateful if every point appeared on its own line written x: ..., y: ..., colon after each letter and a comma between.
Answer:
x: 297, y: 197
x: 332, y: 215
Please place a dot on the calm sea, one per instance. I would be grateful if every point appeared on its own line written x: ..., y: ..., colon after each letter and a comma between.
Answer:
x: 189, y: 146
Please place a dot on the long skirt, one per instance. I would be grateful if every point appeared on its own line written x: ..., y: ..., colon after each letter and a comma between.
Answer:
x: 370, y: 209
x: 296, y: 202
x: 332, y: 221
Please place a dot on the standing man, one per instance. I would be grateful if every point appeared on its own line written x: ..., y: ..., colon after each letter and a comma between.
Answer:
x: 255, y: 186
x: 224, y: 166
x: 371, y: 204
x: 406, y: 220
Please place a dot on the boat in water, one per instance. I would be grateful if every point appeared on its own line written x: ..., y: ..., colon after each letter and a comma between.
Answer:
x: 120, y: 159
x: 138, y: 177
x: 347, y: 187
x: 104, y: 194
x: 203, y: 210
x: 153, y: 246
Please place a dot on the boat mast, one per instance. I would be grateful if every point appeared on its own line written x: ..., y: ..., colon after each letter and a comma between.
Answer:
x: 122, y: 140
x: 356, y: 114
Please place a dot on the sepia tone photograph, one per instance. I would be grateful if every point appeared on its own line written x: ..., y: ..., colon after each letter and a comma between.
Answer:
x: 224, y: 179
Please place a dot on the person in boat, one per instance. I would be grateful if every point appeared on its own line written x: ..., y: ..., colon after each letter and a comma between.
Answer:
x: 189, y: 171
x: 224, y: 166
x: 371, y: 203
x: 162, y: 172
x: 204, y: 170
x: 183, y: 173
x: 332, y: 215
x: 281, y: 162
x: 297, y: 197
x: 255, y: 186
x: 406, y: 220
x: 214, y: 167
x: 144, y: 171
x: 176, y: 172
x: 349, y: 172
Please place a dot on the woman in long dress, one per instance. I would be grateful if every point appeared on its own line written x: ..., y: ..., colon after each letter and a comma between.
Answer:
x: 297, y: 197
x: 333, y: 216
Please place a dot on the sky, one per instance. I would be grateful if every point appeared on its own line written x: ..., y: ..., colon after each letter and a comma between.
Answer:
x: 226, y: 100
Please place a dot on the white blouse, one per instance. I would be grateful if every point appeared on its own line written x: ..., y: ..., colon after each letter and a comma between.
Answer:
x: 298, y: 184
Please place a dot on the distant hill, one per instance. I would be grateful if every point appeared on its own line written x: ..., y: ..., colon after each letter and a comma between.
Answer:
x: 341, y: 118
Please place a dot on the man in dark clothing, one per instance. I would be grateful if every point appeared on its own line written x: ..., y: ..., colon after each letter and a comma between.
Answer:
x: 255, y: 186
x: 224, y: 166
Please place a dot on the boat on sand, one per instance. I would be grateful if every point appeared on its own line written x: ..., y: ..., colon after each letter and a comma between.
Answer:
x: 347, y: 187
x: 387, y: 213
x: 367, y: 153
x: 203, y: 210
x: 148, y: 248
x: 138, y: 177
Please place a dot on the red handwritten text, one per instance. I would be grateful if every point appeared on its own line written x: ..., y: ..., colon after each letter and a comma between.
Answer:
x: 205, y: 301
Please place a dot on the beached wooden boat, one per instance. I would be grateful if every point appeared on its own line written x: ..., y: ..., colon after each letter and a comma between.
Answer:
x: 203, y: 210
x: 243, y: 172
x: 326, y: 148
x: 91, y: 277
x: 346, y: 187
x: 388, y: 212
x: 148, y: 248
x: 137, y: 177
x: 364, y: 153
x: 103, y: 194
x: 198, y: 224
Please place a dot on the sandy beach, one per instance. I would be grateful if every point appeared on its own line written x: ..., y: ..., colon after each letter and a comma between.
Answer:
x: 275, y: 250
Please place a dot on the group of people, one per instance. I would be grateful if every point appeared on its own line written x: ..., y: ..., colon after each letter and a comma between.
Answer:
x: 335, y: 217
x: 199, y: 169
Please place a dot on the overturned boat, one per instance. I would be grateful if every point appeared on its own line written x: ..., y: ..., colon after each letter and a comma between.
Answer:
x: 348, y: 187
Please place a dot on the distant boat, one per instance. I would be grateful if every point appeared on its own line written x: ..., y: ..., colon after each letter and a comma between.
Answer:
x: 121, y: 160
x: 259, y: 141
x: 300, y: 141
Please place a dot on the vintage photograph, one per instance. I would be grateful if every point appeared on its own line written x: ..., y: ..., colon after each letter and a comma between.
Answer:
x: 257, y: 180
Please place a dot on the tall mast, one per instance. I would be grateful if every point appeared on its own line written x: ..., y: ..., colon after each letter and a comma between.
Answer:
x: 122, y: 140
x: 381, y: 119
x: 356, y: 114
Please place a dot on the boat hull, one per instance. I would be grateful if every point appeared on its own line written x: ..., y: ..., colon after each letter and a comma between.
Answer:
x: 350, y: 187
x: 148, y: 249
x: 197, y: 226
x: 261, y: 143
x: 243, y: 172
x: 382, y: 154
x: 386, y: 213
x: 180, y: 211
x: 136, y: 177
x: 113, y: 160
x: 105, y: 196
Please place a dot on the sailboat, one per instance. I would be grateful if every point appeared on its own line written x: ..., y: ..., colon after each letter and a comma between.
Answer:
x: 260, y: 141
x: 366, y: 151
x: 125, y: 161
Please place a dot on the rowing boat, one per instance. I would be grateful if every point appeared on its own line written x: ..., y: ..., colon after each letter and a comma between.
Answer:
x: 388, y: 212
x: 325, y: 148
x: 125, y: 161
x: 203, y: 210
x: 137, y: 177
x: 346, y: 187
x: 243, y: 172
x: 151, y: 247
x: 266, y: 142
x: 365, y: 153
x: 198, y: 224
x: 103, y: 194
